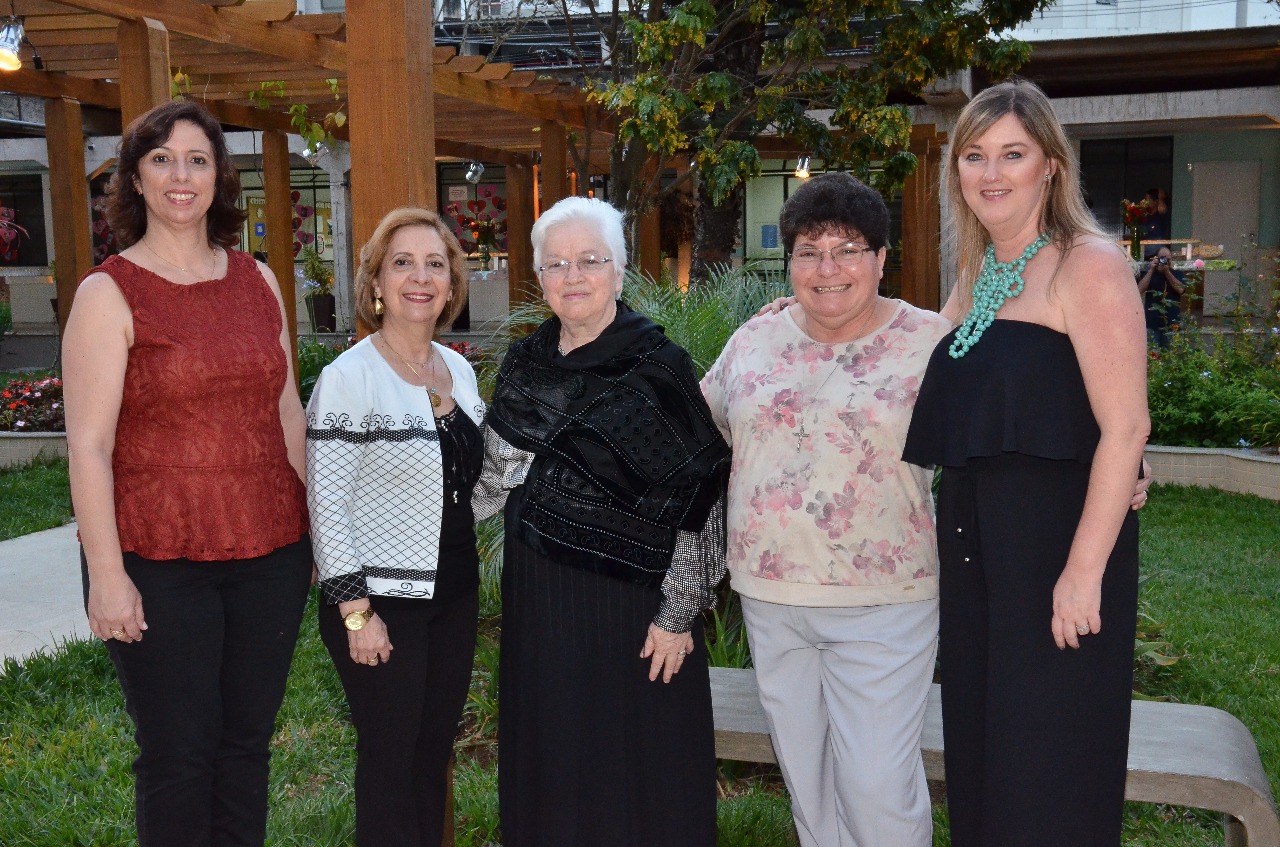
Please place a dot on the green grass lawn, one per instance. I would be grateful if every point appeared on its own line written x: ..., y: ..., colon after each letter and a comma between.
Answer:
x: 65, y: 742
x: 33, y: 498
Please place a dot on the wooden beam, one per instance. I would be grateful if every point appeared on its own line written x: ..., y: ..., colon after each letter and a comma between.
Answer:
x: 144, y: 67
x: 49, y: 23
x: 555, y: 162
x: 921, y: 222
x: 332, y: 24
x: 522, y: 284
x: 55, y: 85
x: 494, y: 70
x: 392, y: 110
x: 649, y: 244
x: 279, y: 240
x: 466, y: 64
x: 69, y: 194
x: 479, y: 152
x: 272, y: 11
x: 503, y: 94
x: 229, y: 26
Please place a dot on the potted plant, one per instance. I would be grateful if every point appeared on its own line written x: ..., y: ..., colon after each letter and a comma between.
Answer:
x: 316, y: 277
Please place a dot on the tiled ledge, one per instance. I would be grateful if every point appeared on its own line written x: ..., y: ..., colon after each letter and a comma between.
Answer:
x: 1241, y: 471
x: 19, y: 448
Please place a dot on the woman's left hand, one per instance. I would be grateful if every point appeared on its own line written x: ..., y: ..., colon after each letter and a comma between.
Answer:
x: 666, y: 650
x: 1140, y: 490
x: 1077, y: 601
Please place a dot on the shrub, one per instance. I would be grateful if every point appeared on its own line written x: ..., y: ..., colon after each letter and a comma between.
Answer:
x: 1227, y: 396
x: 32, y: 406
x: 313, y: 355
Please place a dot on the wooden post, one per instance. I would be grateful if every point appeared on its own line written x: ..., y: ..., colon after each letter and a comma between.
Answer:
x: 393, y: 147
x: 649, y: 243
x: 279, y: 240
x: 555, y: 180
x: 69, y: 194
x: 921, y: 222
x: 684, y: 254
x: 521, y: 282
x: 144, y: 66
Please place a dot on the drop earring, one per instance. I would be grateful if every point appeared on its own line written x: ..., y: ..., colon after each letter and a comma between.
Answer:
x: 378, y: 307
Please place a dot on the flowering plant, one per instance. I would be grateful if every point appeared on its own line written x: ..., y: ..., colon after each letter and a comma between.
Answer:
x: 482, y: 224
x: 315, y: 275
x: 34, y: 406
x: 1135, y: 213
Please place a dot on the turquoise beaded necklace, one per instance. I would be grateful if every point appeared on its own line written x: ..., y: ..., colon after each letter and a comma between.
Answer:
x: 998, y: 282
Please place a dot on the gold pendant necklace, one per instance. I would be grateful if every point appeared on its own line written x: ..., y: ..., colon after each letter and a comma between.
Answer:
x: 430, y: 389
x: 212, y: 267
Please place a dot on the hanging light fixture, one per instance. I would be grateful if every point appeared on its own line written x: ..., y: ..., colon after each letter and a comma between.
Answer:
x: 802, y: 168
x: 475, y: 170
x: 313, y: 154
x: 12, y: 35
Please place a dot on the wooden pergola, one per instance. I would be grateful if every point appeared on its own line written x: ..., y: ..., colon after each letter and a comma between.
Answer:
x: 407, y: 101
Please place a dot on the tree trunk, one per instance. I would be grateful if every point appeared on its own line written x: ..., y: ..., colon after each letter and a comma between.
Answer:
x: 716, y: 232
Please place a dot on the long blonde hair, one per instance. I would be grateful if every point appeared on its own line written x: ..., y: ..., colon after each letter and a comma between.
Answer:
x: 1065, y: 217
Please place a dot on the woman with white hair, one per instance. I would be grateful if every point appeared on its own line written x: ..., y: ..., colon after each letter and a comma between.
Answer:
x: 613, y: 474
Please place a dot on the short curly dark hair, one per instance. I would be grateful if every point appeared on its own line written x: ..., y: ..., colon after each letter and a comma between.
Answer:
x: 127, y: 211
x: 835, y: 202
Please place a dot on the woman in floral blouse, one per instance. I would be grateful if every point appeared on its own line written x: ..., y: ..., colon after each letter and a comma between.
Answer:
x: 831, y: 536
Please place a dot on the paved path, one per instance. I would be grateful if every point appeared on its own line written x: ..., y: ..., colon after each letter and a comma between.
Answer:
x: 41, y: 602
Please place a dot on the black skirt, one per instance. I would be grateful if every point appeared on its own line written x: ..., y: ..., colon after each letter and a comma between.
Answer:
x: 590, y: 751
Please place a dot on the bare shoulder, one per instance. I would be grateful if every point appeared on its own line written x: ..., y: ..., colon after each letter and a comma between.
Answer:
x: 1093, y: 257
x: 99, y: 292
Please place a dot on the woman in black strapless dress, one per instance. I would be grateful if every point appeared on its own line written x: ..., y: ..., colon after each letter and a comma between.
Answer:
x: 1035, y: 406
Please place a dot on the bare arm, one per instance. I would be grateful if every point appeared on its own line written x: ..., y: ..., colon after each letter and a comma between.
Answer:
x: 95, y: 353
x: 292, y: 419
x: 1104, y: 319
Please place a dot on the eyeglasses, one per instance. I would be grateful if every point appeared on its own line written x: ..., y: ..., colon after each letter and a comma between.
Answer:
x: 589, y: 266
x: 846, y: 256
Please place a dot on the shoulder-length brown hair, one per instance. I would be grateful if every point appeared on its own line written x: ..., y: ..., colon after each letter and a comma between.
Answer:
x: 1065, y: 216
x: 373, y: 254
x: 127, y: 211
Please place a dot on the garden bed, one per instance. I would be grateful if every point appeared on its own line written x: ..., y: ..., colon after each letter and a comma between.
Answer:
x: 1241, y: 471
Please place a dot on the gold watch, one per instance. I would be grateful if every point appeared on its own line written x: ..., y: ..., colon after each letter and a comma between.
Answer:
x: 356, y: 620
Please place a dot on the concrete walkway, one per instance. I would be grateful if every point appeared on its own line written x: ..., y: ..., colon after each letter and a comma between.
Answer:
x: 41, y: 604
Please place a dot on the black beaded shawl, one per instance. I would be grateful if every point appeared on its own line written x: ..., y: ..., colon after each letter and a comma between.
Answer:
x: 626, y: 450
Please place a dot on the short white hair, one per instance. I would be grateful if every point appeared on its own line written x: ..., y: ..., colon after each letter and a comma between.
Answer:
x: 605, y: 219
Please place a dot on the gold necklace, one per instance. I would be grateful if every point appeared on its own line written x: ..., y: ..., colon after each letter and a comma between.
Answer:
x: 213, y: 266
x: 431, y: 391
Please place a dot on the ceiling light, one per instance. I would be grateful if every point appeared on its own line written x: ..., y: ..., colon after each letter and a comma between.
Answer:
x: 11, y: 36
x: 475, y: 170
x: 314, y: 153
x: 802, y: 168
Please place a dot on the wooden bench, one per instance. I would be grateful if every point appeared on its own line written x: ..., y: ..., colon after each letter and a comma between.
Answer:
x: 1193, y: 756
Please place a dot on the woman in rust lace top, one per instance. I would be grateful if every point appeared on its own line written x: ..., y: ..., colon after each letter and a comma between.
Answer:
x: 186, y: 439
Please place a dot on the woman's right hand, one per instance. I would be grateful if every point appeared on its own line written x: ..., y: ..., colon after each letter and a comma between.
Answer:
x: 370, y: 645
x: 115, y: 609
x: 774, y: 307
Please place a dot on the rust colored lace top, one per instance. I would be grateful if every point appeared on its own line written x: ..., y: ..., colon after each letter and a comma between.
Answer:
x: 201, y: 468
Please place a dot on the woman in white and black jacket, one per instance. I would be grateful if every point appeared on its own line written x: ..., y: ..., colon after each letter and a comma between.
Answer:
x: 393, y: 452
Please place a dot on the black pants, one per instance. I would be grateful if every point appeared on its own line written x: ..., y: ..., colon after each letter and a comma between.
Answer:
x: 203, y: 687
x: 406, y: 713
x: 1036, y: 737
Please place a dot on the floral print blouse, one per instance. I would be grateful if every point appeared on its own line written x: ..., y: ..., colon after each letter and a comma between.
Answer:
x: 822, y: 510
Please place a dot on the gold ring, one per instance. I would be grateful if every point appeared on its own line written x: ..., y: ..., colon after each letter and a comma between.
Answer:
x: 118, y: 634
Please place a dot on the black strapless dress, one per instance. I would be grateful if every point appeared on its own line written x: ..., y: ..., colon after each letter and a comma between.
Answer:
x: 1036, y: 737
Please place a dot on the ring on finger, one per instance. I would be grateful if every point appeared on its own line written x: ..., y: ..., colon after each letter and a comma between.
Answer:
x: 117, y: 634
x: 1082, y: 630
x: 681, y: 654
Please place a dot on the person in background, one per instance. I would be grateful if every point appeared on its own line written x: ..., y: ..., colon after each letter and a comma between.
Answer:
x: 1161, y: 288
x: 612, y: 472
x: 1035, y: 406
x: 186, y: 446
x: 393, y: 453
